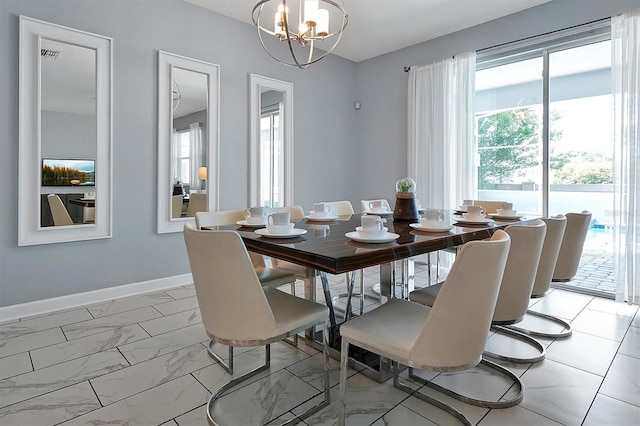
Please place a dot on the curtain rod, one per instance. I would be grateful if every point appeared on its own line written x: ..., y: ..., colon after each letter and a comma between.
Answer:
x: 597, y: 23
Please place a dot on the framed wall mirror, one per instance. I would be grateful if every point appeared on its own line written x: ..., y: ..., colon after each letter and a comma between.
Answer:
x: 188, y: 135
x: 64, y: 182
x: 271, y: 162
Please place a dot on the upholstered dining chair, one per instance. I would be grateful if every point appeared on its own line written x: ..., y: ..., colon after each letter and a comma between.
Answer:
x: 550, y: 248
x: 340, y: 208
x: 450, y: 336
x: 515, y: 289
x: 238, y: 311
x: 58, y: 211
x: 364, y: 204
x: 489, y: 206
x: 572, y: 245
x: 197, y: 203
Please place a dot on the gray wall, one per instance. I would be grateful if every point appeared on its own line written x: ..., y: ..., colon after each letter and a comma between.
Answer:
x: 324, y: 134
x: 340, y: 153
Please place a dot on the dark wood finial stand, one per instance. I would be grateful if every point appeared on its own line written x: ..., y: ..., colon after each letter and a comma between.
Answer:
x: 406, y: 207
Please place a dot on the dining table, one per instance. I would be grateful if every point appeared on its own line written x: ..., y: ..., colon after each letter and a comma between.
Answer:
x: 327, y: 245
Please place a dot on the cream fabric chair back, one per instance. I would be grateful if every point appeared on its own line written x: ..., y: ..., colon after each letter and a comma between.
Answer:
x: 340, y: 208
x: 489, y: 206
x: 225, y: 218
x: 572, y: 245
x: 296, y: 212
x: 218, y: 218
x: 465, y: 303
x: 197, y: 203
x: 520, y: 272
x: 364, y: 204
x: 550, y: 248
x: 231, y: 299
x: 58, y: 211
x: 176, y: 205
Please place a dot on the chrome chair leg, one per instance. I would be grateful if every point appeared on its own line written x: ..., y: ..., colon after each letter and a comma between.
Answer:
x: 523, y: 337
x: 228, y: 366
x: 429, y: 400
x: 562, y: 335
x: 479, y: 402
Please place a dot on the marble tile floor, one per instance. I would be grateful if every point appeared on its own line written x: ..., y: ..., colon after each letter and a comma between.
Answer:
x: 142, y: 360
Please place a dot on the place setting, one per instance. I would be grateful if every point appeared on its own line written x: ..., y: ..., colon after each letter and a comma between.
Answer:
x: 378, y: 207
x: 432, y: 221
x: 321, y: 213
x: 254, y: 217
x: 475, y: 215
x: 506, y: 212
x: 463, y: 208
x: 371, y: 230
x: 279, y: 226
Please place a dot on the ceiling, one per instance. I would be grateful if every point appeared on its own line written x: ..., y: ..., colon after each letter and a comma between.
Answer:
x: 377, y: 27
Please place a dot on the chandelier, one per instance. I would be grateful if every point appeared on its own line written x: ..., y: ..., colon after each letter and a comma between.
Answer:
x: 309, y: 38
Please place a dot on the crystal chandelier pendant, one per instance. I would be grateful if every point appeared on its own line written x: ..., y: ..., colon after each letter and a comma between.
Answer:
x: 309, y: 29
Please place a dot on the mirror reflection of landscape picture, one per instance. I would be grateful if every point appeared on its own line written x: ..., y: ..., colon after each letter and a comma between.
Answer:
x: 57, y: 172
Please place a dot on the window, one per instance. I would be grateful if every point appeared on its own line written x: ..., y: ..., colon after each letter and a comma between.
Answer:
x: 183, y: 158
x: 271, y: 158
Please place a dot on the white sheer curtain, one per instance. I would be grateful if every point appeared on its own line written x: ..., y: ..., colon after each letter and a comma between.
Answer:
x: 195, y: 154
x: 440, y: 131
x: 625, y: 40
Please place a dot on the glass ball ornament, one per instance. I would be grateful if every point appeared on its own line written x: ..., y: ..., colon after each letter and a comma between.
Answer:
x: 406, y: 185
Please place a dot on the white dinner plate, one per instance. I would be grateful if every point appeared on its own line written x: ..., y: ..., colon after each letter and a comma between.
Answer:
x: 251, y: 225
x: 505, y: 217
x: 384, y: 238
x: 383, y: 213
x: 474, y: 221
x: 295, y: 232
x: 426, y: 228
x: 321, y: 218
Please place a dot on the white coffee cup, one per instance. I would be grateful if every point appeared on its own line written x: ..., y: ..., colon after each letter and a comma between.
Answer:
x: 432, y: 215
x: 506, y: 209
x: 371, y: 223
x: 279, y: 218
x: 255, y: 215
x: 377, y: 206
x: 475, y: 211
x: 321, y: 209
x: 280, y: 229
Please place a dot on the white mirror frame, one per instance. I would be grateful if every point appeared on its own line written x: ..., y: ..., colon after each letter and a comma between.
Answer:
x: 258, y: 83
x: 166, y: 62
x: 30, y: 231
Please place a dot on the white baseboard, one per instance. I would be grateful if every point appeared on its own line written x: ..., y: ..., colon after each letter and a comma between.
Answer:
x: 39, y: 307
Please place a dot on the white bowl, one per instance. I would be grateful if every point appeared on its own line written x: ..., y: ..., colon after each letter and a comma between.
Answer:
x: 256, y: 220
x: 371, y: 233
x: 467, y: 216
x: 505, y: 212
x: 280, y: 229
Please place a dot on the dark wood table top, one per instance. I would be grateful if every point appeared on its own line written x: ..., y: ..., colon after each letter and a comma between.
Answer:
x: 326, y: 248
x: 83, y: 202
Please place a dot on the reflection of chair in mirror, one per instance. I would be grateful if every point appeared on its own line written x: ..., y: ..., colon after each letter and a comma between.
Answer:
x: 448, y: 337
x: 176, y: 206
x: 58, y: 211
x: 515, y: 290
x: 197, y: 203
x: 572, y: 245
x: 237, y: 311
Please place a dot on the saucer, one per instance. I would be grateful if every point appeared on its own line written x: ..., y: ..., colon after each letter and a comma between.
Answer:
x: 384, y: 238
x: 478, y: 221
x: 295, y: 232
x: 251, y: 225
x: 505, y: 217
x: 427, y: 228
x: 321, y: 218
x: 379, y: 213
